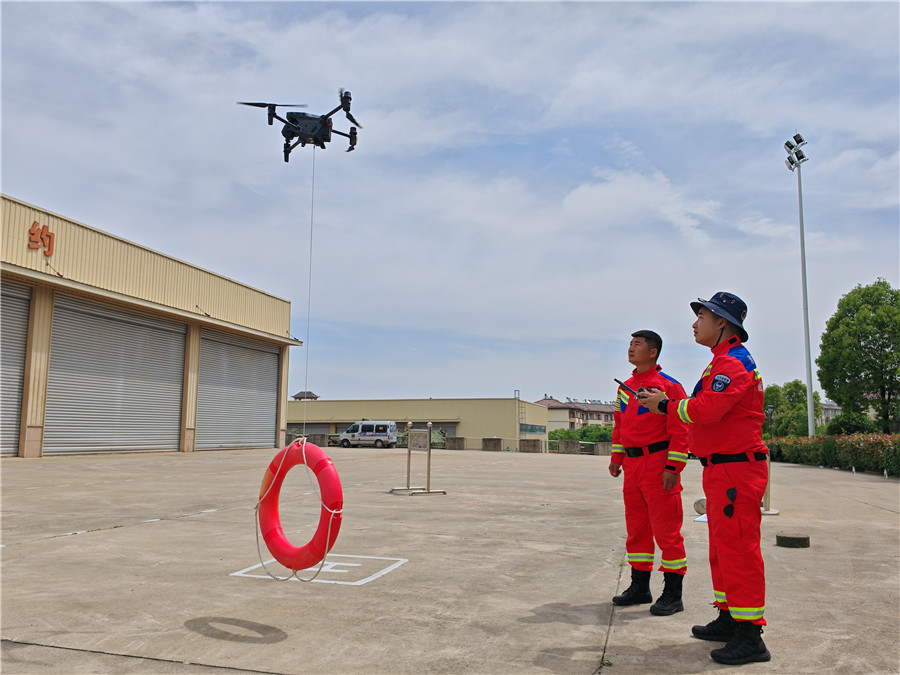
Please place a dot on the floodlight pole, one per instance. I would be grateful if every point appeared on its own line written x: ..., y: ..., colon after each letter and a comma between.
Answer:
x: 810, y: 413
x: 796, y: 157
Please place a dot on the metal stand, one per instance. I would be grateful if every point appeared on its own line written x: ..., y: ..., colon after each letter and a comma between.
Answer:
x: 420, y: 438
x: 766, y: 502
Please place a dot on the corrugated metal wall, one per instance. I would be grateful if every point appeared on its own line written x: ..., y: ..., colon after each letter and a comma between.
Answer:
x: 16, y: 302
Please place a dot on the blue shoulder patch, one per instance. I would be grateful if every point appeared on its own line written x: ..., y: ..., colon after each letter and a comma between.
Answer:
x: 741, y: 354
x: 670, y: 378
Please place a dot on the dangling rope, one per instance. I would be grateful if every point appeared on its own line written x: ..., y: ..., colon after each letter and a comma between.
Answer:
x: 312, y: 208
x: 314, y: 484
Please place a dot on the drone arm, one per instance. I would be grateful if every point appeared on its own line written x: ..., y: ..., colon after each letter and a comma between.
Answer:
x: 288, y: 148
x: 329, y: 114
x: 352, y: 136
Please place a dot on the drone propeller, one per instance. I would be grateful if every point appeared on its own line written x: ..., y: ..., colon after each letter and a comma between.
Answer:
x: 256, y: 104
x: 351, y: 118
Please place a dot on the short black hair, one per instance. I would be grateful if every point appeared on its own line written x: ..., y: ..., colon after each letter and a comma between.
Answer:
x: 653, y: 339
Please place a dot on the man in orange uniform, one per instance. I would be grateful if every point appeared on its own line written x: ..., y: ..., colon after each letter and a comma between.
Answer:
x: 652, y: 451
x: 725, y: 417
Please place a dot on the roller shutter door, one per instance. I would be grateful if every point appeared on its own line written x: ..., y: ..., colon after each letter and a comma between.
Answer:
x: 115, y: 380
x: 15, y: 304
x: 237, y: 398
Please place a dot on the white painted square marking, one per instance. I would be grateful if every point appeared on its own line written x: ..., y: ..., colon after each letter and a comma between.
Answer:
x: 360, y: 569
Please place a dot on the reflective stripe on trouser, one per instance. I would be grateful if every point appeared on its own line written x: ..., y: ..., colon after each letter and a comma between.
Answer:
x: 735, y: 558
x: 652, y: 513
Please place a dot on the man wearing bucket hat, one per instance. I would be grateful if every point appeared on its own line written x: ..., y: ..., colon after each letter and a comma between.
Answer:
x: 725, y: 417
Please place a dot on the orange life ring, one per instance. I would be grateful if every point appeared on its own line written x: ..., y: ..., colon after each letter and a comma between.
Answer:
x: 300, y: 557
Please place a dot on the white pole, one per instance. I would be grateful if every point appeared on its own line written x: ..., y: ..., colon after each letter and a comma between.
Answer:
x: 810, y: 414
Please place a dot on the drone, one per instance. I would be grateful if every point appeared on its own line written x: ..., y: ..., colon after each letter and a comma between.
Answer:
x: 308, y: 128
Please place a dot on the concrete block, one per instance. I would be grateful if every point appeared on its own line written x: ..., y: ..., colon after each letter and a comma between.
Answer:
x: 456, y: 443
x: 492, y: 444
x: 603, y: 449
x: 530, y: 445
x: 569, y: 447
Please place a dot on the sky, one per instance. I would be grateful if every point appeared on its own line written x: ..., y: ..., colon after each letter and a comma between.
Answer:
x: 533, y: 181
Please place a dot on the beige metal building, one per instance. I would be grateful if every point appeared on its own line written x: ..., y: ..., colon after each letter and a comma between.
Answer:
x: 508, y: 418
x: 110, y: 346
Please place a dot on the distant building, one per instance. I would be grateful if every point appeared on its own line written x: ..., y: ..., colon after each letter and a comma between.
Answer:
x: 507, y: 418
x: 574, y: 414
x: 830, y: 410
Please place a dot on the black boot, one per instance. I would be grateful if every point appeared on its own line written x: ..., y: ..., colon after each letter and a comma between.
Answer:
x: 670, y: 600
x: 639, y: 591
x: 745, y: 646
x: 721, y: 629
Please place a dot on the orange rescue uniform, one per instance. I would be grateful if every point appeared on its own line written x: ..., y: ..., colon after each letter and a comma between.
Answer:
x: 724, y: 417
x: 646, y: 445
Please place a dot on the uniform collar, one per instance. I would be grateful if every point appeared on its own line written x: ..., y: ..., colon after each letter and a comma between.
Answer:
x: 646, y: 373
x: 722, y: 347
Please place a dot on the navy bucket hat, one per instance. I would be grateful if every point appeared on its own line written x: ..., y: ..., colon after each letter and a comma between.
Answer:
x: 728, y: 306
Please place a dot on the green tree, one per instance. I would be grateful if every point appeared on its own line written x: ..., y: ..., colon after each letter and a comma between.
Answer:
x: 791, y: 417
x: 563, y: 435
x: 596, y: 433
x: 848, y: 422
x: 859, y: 360
x: 592, y: 433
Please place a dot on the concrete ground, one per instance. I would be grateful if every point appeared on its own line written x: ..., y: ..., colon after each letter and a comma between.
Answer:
x: 148, y: 563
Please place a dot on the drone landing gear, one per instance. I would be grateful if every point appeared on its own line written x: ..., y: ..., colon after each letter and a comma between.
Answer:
x: 288, y: 147
x: 352, y: 136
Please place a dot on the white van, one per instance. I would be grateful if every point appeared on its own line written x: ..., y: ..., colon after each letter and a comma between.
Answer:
x: 380, y: 433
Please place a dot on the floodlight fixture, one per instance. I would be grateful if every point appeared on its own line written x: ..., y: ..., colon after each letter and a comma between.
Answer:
x: 795, y: 155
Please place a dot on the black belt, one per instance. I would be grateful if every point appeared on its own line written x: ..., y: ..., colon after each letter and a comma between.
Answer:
x: 737, y: 457
x: 653, y: 447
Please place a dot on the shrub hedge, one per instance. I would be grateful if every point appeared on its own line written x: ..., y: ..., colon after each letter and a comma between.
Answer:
x: 866, y: 452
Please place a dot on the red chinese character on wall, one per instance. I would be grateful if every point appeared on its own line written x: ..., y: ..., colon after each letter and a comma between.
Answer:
x: 41, y: 237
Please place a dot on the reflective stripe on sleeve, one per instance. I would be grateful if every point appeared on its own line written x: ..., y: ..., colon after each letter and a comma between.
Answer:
x: 678, y: 457
x: 682, y: 411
